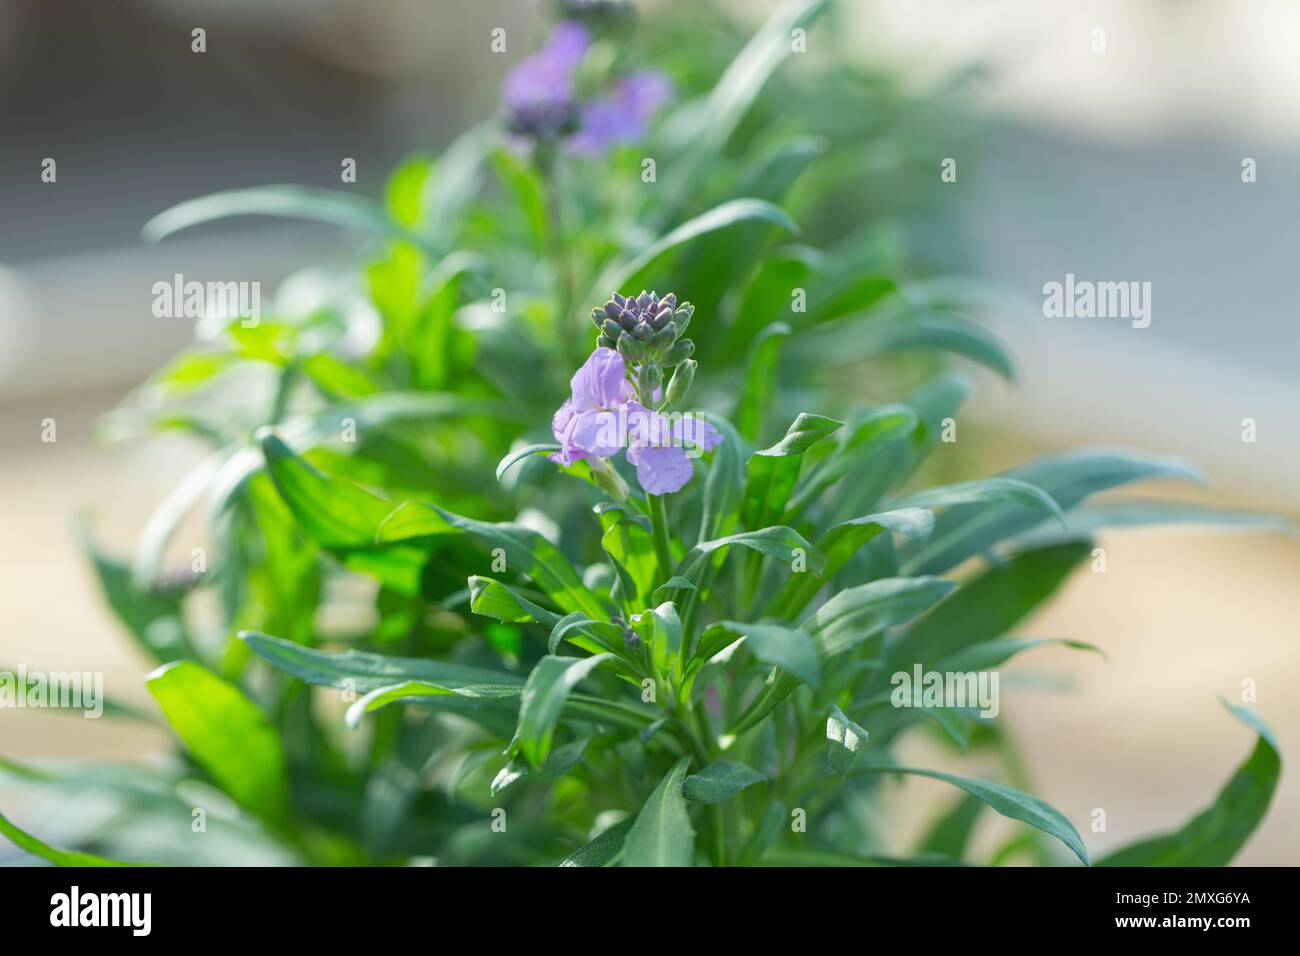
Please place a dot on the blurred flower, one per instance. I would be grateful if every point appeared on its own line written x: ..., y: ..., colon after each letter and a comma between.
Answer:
x: 622, y: 115
x: 542, y: 106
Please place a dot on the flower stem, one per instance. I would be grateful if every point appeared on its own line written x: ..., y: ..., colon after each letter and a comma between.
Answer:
x: 659, y: 523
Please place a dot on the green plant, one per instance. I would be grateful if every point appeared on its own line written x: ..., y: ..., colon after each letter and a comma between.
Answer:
x: 615, y: 675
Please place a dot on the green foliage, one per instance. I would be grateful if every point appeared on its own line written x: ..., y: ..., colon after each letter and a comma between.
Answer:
x: 390, y: 645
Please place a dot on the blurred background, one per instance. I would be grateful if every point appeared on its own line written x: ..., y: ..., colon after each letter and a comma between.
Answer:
x: 1113, y: 156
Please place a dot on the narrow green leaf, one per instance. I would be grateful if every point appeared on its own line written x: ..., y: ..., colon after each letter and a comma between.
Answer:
x: 783, y: 544
x: 760, y: 380
x: 1010, y: 803
x: 856, y: 614
x: 840, y: 543
x: 491, y: 598
x: 519, y: 454
x: 774, y: 471
x: 720, y: 781
x: 285, y: 202
x: 545, y: 692
x: 722, y: 488
x: 662, y: 834
x: 226, y: 733
x: 1216, y: 835
x: 604, y: 849
x: 30, y: 844
x: 990, y: 654
x: 785, y: 647
x: 988, y: 605
x: 526, y: 551
x: 363, y: 672
x: 845, y: 742
x: 985, y: 490
x: 971, y: 529
x: 408, y: 691
x: 636, y: 273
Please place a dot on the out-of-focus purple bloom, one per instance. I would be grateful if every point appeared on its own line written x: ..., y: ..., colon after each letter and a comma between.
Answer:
x: 547, y: 75
x: 602, y: 415
x: 621, y: 116
x: 541, y: 103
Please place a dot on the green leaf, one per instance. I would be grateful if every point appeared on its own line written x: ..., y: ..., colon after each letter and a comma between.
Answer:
x: 720, y: 781
x: 890, y: 462
x: 153, y: 620
x: 860, y: 337
x: 491, y: 598
x: 745, y: 77
x: 526, y: 551
x: 362, y: 671
x: 989, y: 605
x: 1013, y: 804
x: 856, y: 614
x: 722, y: 488
x: 604, y: 849
x: 30, y: 844
x: 845, y: 742
x: 789, y: 648
x: 967, y: 530
x: 545, y: 692
x: 951, y: 833
x: 1215, y: 836
x: 227, y: 734
x: 847, y: 619
x: 338, y: 379
x: 285, y: 202
x: 1084, y: 521
x: 630, y: 543
x: 519, y: 454
x: 760, y: 380
x: 991, y: 654
x: 418, y: 690
x: 774, y: 471
x: 637, y: 272
x: 840, y: 543
x: 667, y: 637
x: 595, y: 636
x: 341, y: 517
x: 983, y: 491
x: 662, y: 834
x: 674, y: 583
x: 783, y: 544
x: 867, y: 435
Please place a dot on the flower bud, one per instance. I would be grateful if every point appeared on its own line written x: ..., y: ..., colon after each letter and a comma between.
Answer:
x: 681, y: 381
x: 682, y: 317
x: 597, y: 317
x: 665, y: 337
x: 681, y: 350
x: 629, y: 347
x: 611, y: 329
x: 652, y: 376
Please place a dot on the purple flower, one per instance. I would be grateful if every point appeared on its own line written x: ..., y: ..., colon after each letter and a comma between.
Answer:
x: 620, y: 116
x: 602, y: 416
x: 541, y: 103
x: 547, y: 75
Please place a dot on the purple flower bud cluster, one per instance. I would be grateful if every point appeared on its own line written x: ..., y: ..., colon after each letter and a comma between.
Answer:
x: 645, y: 328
